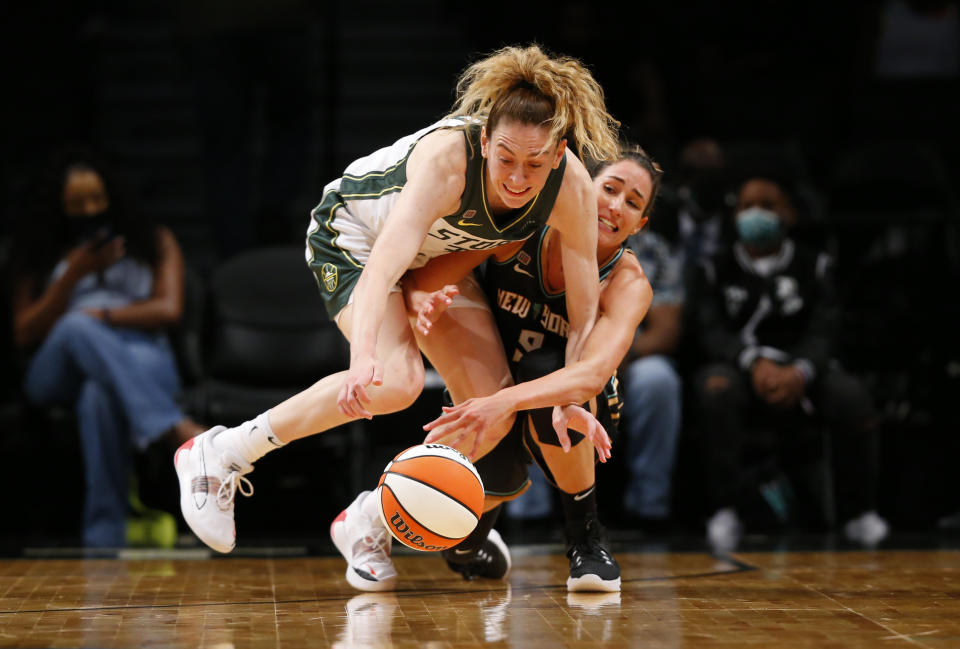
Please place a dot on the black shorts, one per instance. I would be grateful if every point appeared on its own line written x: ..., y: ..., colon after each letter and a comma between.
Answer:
x: 504, y: 469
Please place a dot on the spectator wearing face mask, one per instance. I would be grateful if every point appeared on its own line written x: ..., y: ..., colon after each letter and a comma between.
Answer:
x: 95, y: 287
x: 765, y: 316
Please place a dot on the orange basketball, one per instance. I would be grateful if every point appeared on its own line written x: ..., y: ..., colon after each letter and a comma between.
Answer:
x: 431, y: 497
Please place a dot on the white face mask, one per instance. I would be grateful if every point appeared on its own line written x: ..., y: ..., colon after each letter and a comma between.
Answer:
x: 758, y: 227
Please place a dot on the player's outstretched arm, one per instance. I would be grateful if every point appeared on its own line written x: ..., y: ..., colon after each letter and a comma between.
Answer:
x: 624, y: 304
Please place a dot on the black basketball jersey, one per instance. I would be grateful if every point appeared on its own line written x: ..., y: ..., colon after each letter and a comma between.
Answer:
x: 528, y: 316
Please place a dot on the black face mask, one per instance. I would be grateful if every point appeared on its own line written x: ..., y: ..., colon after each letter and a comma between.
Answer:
x: 86, y: 228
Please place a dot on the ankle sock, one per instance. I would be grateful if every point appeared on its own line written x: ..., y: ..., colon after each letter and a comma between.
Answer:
x: 252, y: 439
x: 578, y: 508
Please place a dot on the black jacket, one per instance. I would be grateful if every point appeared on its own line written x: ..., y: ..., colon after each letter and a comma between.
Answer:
x: 786, y: 311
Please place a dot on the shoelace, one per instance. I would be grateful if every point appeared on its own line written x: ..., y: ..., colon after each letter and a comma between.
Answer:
x: 228, y: 489
x: 372, y: 548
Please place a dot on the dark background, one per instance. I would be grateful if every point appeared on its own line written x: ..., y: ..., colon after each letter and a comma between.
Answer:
x: 227, y: 118
x: 258, y: 104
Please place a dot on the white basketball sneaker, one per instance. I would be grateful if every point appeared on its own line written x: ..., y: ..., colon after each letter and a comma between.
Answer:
x: 365, y: 543
x: 209, y: 479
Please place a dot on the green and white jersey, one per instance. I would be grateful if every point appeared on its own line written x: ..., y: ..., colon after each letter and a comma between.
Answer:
x: 356, y: 206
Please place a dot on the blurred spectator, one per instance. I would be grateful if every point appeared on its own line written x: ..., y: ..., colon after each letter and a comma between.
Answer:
x: 765, y: 314
x: 899, y: 78
x: 94, y: 288
x: 917, y: 39
x: 693, y: 205
x: 652, y: 386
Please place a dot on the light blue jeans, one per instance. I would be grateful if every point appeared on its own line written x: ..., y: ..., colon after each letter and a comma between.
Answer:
x: 652, y: 402
x: 122, y: 384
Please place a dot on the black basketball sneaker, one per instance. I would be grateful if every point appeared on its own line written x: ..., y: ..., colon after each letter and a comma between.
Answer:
x: 491, y: 561
x: 592, y: 567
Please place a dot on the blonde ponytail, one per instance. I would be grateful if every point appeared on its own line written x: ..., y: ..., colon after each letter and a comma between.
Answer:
x: 528, y: 85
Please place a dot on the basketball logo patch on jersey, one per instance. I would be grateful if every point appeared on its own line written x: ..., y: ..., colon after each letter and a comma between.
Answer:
x: 328, y: 273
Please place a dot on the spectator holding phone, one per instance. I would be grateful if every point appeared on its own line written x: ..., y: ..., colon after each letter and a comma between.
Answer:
x: 94, y: 289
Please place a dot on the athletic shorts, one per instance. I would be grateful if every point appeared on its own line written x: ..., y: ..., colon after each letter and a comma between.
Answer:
x: 504, y: 469
x: 337, y: 271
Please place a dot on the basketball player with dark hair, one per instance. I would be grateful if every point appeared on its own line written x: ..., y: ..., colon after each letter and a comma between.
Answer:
x: 524, y: 288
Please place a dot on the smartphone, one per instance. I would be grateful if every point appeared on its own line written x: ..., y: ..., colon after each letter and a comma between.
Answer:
x: 103, y: 236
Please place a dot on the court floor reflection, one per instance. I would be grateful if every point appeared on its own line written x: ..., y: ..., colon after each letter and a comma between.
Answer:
x: 669, y: 600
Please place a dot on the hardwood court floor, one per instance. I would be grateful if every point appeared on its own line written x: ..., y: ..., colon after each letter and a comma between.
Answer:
x: 669, y: 600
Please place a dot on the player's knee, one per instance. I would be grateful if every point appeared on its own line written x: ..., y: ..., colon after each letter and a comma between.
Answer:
x: 407, y: 392
x: 403, y: 383
x: 394, y: 399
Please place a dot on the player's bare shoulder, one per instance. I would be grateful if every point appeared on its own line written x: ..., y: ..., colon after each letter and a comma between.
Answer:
x: 628, y: 267
x: 439, y: 160
x: 626, y: 282
x: 576, y: 181
x: 576, y: 195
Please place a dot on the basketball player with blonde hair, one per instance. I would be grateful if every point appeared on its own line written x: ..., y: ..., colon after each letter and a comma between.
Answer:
x: 489, y: 173
x: 523, y: 284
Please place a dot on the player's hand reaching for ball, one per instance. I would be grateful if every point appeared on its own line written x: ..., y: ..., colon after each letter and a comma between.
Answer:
x: 477, y: 416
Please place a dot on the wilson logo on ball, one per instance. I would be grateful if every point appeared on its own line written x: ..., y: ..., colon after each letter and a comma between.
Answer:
x: 400, y: 529
x: 447, y: 448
